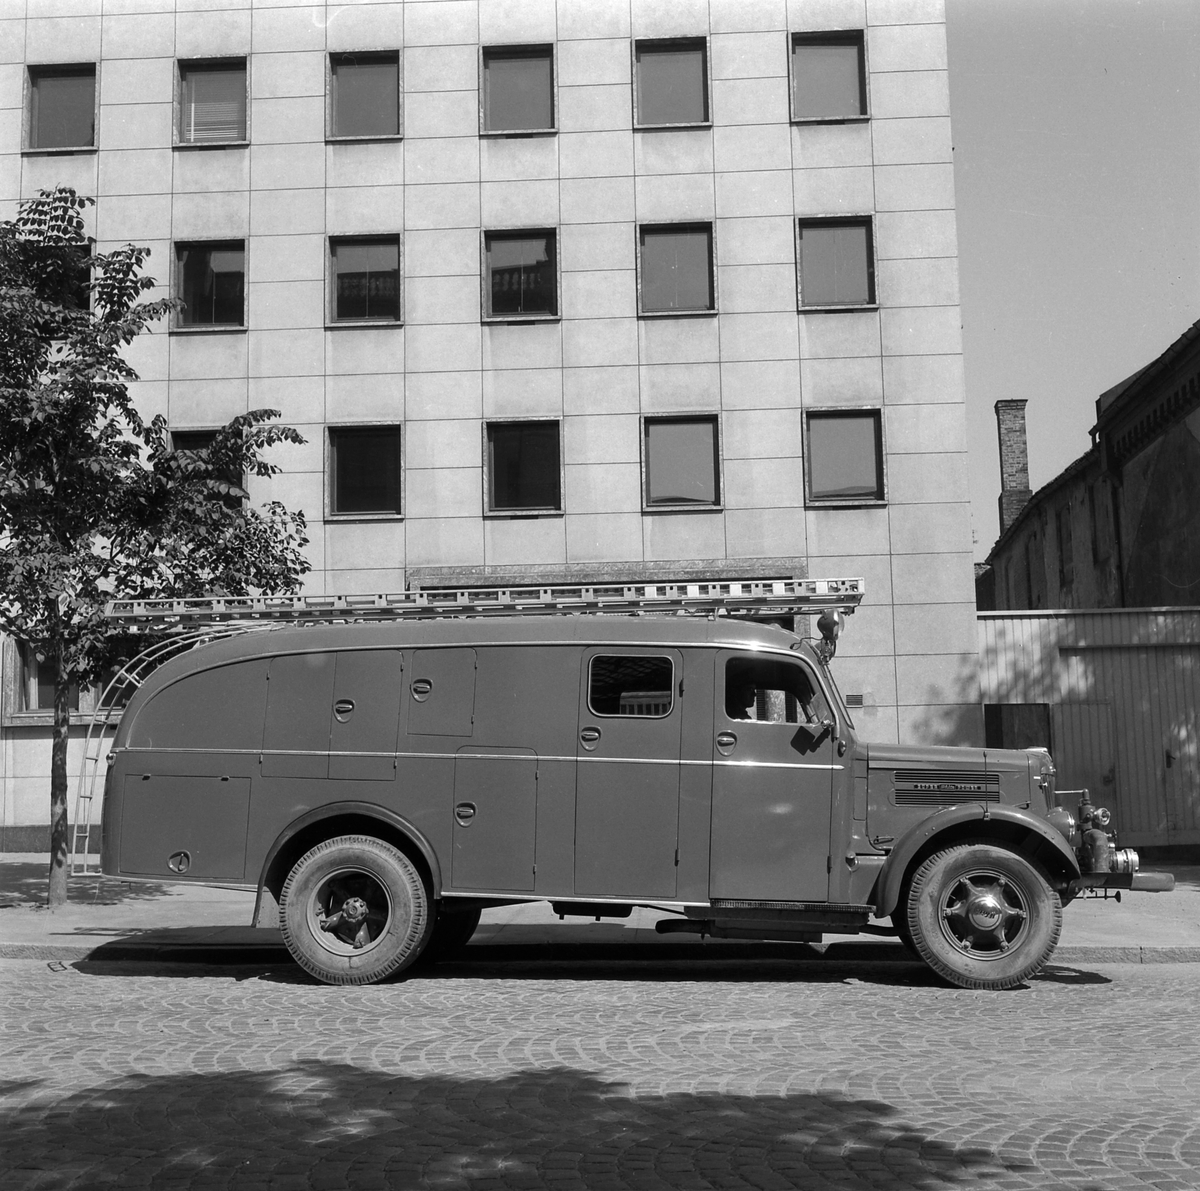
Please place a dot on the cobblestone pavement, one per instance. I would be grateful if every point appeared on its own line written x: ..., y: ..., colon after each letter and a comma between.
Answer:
x: 576, y: 1075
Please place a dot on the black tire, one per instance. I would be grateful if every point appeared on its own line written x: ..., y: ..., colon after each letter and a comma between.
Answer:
x: 354, y: 910
x: 900, y: 922
x: 982, y: 917
x: 452, y: 931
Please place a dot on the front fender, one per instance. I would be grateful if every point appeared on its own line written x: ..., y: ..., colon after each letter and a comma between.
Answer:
x: 896, y: 867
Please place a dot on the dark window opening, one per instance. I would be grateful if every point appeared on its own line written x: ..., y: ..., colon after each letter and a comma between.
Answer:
x: 195, y: 441
x: 366, y: 275
x: 677, y: 268
x: 365, y: 469
x: 763, y: 690
x: 37, y: 682
x: 1016, y: 725
x: 213, y: 107
x: 522, y: 273
x: 523, y: 466
x: 631, y: 686
x: 837, y: 266
x: 845, y: 456
x: 365, y: 94
x: 682, y: 462
x: 672, y: 82
x: 212, y: 280
x: 1099, y: 552
x: 1066, y: 548
x: 62, y: 107
x: 518, y: 89
x: 829, y: 78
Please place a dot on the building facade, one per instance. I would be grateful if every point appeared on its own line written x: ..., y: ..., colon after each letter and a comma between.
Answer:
x: 573, y: 290
x: 1120, y: 526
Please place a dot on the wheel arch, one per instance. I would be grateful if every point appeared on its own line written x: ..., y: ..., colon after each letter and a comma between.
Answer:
x: 1017, y: 830
x: 344, y: 818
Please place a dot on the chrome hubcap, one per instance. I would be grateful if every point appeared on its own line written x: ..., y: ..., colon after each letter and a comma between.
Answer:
x: 984, y: 914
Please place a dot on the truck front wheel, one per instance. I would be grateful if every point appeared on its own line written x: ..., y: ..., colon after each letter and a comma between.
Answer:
x: 982, y: 917
x: 354, y: 910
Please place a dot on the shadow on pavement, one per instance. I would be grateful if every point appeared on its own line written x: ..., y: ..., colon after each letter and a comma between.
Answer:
x: 24, y: 883
x: 1058, y: 974
x: 567, y: 964
x: 317, y: 1124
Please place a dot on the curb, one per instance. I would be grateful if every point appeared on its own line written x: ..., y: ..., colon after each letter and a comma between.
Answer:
x: 259, y: 954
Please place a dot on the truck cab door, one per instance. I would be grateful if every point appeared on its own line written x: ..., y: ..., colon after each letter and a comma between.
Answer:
x: 774, y: 762
x: 627, y: 772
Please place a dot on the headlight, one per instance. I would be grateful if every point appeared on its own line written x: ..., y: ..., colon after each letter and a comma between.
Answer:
x: 1063, y: 822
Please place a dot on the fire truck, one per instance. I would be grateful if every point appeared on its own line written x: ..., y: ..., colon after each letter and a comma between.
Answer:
x: 383, y: 769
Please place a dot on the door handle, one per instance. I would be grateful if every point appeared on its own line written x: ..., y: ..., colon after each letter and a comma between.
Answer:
x: 342, y: 709
x: 421, y: 688
x: 589, y: 736
x: 726, y: 741
x: 464, y: 812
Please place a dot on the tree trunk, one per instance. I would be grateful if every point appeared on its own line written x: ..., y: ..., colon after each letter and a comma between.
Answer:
x: 59, y: 831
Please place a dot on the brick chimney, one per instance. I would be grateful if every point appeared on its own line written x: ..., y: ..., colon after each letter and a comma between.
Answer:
x: 1014, y: 460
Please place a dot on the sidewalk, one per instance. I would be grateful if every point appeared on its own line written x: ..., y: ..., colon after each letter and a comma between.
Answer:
x: 116, y: 920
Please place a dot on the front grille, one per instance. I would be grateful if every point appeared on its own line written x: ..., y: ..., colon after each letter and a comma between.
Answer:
x: 944, y: 787
x: 943, y: 798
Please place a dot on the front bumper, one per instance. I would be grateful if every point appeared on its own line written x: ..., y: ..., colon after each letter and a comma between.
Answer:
x: 1138, y: 882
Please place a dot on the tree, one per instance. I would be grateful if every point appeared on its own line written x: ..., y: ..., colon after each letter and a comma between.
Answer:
x: 94, y: 503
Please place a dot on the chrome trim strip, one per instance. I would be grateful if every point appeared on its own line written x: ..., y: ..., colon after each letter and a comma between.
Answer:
x: 530, y: 755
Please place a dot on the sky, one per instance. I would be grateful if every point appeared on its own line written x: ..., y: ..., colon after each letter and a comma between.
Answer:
x: 1076, y: 127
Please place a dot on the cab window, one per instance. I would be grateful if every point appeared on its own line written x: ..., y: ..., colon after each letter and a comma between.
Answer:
x: 631, y: 686
x: 772, y: 691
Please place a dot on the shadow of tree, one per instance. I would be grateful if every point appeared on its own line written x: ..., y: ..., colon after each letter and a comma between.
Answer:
x: 23, y: 882
x: 330, y: 1125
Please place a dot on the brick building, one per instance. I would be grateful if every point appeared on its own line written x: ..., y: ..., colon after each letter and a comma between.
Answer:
x: 553, y: 290
x: 1120, y: 526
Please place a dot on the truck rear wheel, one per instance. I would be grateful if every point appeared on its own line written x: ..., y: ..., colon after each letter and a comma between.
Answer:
x: 354, y: 910
x: 982, y: 917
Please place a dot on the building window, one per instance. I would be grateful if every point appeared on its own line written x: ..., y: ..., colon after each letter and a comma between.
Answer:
x: 671, y: 83
x: 364, y: 470
x: 212, y: 107
x: 518, y: 89
x: 837, y: 262
x: 681, y: 463
x: 364, y: 95
x: 522, y: 274
x: 844, y: 456
x: 62, y: 107
x: 1066, y: 556
x: 366, y: 278
x: 195, y: 441
x: 211, y: 282
x: 523, y: 467
x: 677, y: 269
x: 37, y: 682
x: 829, y: 77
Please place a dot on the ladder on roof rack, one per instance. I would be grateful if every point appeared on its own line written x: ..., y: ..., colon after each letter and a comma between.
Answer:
x: 744, y: 597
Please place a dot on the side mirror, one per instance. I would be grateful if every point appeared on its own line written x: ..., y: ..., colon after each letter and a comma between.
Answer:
x: 814, y: 733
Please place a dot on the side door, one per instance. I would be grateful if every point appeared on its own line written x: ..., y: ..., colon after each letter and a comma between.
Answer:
x: 774, y: 762
x: 365, y: 714
x: 627, y: 772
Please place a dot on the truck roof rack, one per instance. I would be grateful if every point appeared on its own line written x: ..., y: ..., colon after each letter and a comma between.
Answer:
x: 737, y: 597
